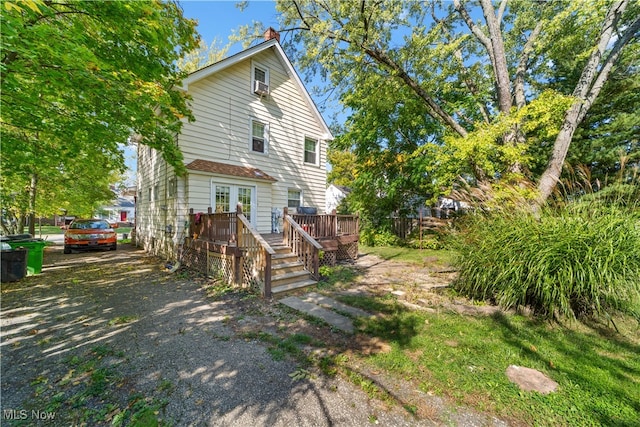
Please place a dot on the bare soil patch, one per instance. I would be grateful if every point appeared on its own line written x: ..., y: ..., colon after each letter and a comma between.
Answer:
x: 113, y: 337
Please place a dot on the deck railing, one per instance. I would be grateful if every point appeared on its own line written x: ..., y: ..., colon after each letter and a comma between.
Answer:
x: 302, y: 244
x: 214, y: 227
x: 256, y: 255
x: 328, y: 225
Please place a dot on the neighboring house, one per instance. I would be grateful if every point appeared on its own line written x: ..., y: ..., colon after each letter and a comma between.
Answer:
x: 258, y: 139
x: 122, y: 209
x: 334, y: 195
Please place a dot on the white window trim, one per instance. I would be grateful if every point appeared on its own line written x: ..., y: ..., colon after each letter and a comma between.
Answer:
x: 304, y: 141
x: 233, y: 195
x: 267, y: 136
x: 252, y: 80
x: 301, y: 195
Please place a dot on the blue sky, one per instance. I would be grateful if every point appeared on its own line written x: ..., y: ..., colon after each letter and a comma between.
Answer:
x: 218, y: 19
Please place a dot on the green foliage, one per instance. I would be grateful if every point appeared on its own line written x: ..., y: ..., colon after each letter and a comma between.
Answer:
x: 463, y: 358
x: 579, y: 260
x: 411, y: 255
x: 79, y: 79
x: 202, y: 56
x: 422, y: 86
x: 343, y: 165
x: 370, y: 236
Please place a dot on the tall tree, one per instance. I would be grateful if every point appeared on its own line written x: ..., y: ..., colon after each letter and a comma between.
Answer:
x: 479, y: 69
x: 202, y: 56
x: 78, y: 79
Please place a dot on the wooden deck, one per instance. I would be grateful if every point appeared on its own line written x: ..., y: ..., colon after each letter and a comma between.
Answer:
x: 225, y: 245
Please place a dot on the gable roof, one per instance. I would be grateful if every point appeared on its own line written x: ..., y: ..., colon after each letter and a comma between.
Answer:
x: 248, y: 53
x: 231, y: 170
x: 342, y: 188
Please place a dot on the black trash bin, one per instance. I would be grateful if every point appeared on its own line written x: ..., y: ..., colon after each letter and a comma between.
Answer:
x: 14, y: 264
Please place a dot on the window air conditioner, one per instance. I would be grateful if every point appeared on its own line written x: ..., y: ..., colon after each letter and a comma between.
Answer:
x: 260, y: 88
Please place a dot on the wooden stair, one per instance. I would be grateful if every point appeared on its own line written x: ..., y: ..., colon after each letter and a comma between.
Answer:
x: 287, y: 273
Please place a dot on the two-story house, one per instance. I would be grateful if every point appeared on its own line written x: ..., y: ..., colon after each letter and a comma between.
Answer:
x: 257, y: 139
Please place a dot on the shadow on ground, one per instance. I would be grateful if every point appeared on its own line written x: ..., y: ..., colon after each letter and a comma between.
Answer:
x: 112, y: 337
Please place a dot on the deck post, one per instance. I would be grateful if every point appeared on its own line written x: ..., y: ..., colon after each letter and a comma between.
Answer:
x: 267, y: 274
x: 209, y: 225
x: 238, y: 253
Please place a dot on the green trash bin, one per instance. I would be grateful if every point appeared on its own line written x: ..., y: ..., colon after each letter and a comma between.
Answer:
x: 35, y: 251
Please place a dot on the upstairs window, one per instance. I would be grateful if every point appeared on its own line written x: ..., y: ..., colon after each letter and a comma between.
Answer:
x: 259, y: 139
x: 260, y: 80
x: 260, y: 75
x: 311, y: 151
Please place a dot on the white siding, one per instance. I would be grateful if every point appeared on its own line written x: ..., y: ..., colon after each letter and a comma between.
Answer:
x: 159, y: 223
x: 223, y: 105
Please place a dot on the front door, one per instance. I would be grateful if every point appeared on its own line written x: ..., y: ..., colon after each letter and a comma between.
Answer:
x: 227, y: 196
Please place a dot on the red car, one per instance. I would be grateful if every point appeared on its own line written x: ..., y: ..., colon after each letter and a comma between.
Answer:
x: 89, y: 234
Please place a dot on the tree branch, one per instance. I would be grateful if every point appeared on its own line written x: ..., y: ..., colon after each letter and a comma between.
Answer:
x: 523, y: 65
x: 503, y: 6
x: 585, y: 92
x: 434, y: 108
x: 494, y: 46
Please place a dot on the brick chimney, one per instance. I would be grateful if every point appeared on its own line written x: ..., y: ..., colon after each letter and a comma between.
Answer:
x: 271, y: 34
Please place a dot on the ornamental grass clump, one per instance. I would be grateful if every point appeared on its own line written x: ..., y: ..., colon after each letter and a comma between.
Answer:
x: 582, y: 259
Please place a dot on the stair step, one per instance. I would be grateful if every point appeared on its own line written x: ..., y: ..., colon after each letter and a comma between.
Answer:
x: 279, y: 249
x: 286, y: 267
x: 292, y: 286
x: 283, y: 258
x: 285, y: 279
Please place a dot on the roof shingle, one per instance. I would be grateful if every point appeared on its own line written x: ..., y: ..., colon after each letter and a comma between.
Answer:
x: 230, y: 170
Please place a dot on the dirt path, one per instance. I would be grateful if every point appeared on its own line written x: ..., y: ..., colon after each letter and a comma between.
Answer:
x: 107, y: 338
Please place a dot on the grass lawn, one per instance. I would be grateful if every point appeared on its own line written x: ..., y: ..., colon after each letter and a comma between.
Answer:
x: 464, y: 358
x: 409, y: 255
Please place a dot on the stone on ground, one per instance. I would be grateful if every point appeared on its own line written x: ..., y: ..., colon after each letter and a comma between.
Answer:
x: 531, y: 380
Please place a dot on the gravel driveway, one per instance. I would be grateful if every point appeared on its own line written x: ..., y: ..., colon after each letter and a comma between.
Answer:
x: 111, y: 337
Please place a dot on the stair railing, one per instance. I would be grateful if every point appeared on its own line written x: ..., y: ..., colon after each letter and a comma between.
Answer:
x: 306, y: 248
x: 256, y: 255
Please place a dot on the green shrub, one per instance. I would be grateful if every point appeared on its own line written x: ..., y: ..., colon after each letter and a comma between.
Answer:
x: 579, y: 260
x: 379, y: 237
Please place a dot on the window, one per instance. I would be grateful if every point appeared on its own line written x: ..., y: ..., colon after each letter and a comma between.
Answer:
x: 260, y: 75
x: 311, y: 151
x: 244, y: 197
x: 173, y: 187
x: 258, y: 137
x: 294, y: 198
x: 149, y: 193
x: 156, y: 192
x: 223, y: 198
x: 226, y: 196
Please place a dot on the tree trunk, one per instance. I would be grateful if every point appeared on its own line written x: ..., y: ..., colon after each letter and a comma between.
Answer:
x: 500, y: 70
x: 32, y: 204
x: 594, y: 75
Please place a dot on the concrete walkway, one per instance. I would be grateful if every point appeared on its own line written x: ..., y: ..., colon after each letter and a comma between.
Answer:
x: 335, y: 313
